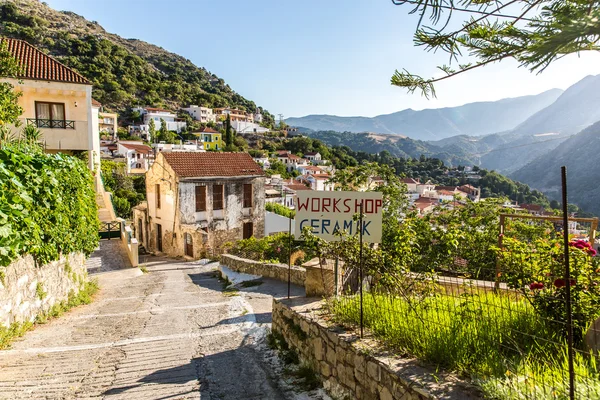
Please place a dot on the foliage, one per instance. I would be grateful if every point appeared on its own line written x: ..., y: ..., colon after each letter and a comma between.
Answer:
x: 533, y: 33
x: 536, y: 269
x: 274, y: 248
x: 125, y: 73
x: 463, y: 334
x: 280, y: 210
x: 128, y: 191
x: 47, y: 205
x: 9, y: 107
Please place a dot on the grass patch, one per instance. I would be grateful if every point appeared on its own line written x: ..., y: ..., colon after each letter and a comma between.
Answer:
x: 500, y: 342
x: 310, y: 379
x: 277, y: 342
x: 39, y: 291
x: 143, y: 269
x: 295, y: 328
x: 18, y: 329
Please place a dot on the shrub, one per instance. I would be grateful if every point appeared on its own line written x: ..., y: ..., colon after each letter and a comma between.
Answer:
x: 280, y: 210
x: 47, y: 205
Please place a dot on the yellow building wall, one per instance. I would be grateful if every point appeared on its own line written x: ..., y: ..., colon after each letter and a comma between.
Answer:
x: 217, y: 140
x: 77, y: 101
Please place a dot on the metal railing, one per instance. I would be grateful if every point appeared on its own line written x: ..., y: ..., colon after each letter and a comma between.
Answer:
x: 51, y: 123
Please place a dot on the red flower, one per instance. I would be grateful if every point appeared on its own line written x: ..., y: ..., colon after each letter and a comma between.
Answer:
x: 559, y: 283
x: 572, y: 282
x: 536, y: 286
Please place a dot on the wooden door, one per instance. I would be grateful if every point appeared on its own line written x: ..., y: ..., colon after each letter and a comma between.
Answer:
x: 189, y: 245
x: 159, y: 237
x: 248, y: 230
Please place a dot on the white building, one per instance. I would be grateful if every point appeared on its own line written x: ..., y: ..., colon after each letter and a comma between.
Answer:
x: 248, y: 127
x: 202, y: 114
x: 313, y: 156
x: 292, y: 161
x: 137, y: 156
x: 188, y: 146
x: 317, y: 182
x: 156, y: 114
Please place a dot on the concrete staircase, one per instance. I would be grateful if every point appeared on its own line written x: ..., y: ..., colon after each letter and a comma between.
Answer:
x: 106, y: 212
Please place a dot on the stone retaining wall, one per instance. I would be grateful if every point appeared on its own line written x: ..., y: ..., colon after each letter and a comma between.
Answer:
x: 268, y: 270
x: 27, y: 290
x: 344, y: 363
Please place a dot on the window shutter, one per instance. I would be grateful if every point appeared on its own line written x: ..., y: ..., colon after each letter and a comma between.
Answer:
x: 200, y: 198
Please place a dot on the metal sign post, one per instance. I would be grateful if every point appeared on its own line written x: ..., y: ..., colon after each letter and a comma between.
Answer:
x: 289, y: 256
x: 360, y: 268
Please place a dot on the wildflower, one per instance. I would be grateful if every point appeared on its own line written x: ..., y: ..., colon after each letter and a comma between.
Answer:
x: 279, y: 249
x: 536, y: 286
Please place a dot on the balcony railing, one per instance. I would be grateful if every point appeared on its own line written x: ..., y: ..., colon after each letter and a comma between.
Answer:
x: 51, y: 123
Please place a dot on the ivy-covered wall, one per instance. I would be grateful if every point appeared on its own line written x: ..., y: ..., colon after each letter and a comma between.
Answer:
x: 47, y: 205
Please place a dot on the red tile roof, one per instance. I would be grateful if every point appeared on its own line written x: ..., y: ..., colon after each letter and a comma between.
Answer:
x: 140, y: 148
x: 96, y: 103
x: 297, y: 187
x: 37, y: 65
x: 211, y: 164
x: 531, y: 207
x: 408, y: 180
x: 206, y: 130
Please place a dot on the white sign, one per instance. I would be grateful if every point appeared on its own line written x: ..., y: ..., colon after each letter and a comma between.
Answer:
x: 329, y: 212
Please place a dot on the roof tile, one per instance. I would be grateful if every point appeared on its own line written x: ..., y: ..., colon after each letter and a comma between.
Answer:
x: 40, y: 66
x: 212, y: 164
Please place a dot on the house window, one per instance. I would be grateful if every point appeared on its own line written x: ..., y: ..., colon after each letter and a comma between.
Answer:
x: 200, y: 198
x: 247, y: 195
x: 217, y: 197
x: 157, y: 196
x: 50, y: 115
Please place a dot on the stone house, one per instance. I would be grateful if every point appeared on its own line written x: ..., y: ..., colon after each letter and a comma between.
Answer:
x: 197, y: 202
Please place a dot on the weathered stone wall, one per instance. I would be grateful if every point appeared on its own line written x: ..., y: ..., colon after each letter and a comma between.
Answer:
x: 27, y: 290
x: 345, y: 365
x: 268, y: 270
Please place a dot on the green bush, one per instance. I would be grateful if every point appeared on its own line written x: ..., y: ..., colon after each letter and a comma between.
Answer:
x: 47, y: 205
x: 274, y: 248
x: 280, y: 210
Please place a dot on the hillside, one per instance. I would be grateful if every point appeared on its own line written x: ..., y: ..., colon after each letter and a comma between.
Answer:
x: 397, y: 146
x: 434, y: 124
x: 579, y: 153
x: 125, y: 72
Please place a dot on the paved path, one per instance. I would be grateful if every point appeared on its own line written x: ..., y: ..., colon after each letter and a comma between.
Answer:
x: 110, y: 255
x: 169, y: 334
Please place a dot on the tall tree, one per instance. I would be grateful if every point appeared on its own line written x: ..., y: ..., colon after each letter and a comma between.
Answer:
x: 152, y: 130
x: 9, y: 107
x: 535, y: 33
x: 228, y: 135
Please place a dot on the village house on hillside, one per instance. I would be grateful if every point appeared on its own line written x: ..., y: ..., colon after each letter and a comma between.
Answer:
x: 197, y: 202
x: 57, y: 100
x: 137, y: 156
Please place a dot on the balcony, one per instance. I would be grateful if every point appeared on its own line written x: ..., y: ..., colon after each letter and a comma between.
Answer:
x: 51, y: 123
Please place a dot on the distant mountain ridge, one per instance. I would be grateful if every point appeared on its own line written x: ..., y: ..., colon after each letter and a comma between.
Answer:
x: 478, y: 118
x: 579, y: 153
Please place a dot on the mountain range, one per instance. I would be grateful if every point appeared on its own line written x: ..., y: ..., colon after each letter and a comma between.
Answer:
x: 579, y: 153
x: 479, y: 118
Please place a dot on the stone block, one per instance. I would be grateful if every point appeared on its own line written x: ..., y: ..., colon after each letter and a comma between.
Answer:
x: 373, y: 371
x: 317, y: 344
x: 325, y: 369
x: 385, y: 394
x: 331, y: 356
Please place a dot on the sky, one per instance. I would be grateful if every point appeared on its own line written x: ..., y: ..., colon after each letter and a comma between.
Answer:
x: 316, y: 56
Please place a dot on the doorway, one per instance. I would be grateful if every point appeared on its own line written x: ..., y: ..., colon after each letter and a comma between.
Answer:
x: 248, y: 230
x: 159, y: 238
x: 189, y: 245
